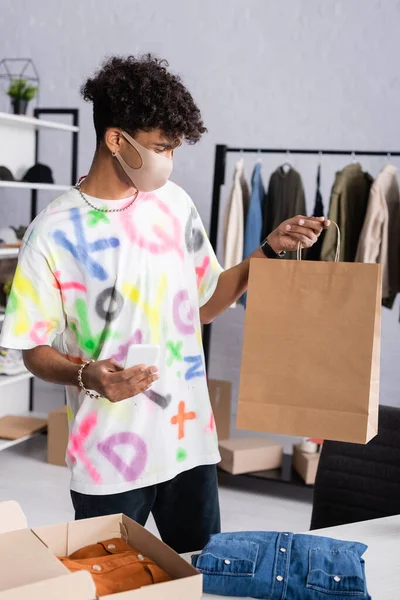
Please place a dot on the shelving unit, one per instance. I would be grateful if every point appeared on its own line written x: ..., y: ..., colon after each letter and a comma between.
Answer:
x: 21, y: 151
x: 22, y: 148
x: 35, y: 123
x: 33, y: 186
x: 11, y: 379
x: 286, y: 475
x: 7, y: 253
x: 6, y: 444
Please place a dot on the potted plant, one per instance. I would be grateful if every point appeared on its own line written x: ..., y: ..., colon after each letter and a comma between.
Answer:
x: 21, y: 92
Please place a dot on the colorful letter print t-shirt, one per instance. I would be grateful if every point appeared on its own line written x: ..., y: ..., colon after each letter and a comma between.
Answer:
x: 93, y: 283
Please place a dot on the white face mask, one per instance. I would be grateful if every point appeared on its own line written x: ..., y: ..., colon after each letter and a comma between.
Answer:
x: 154, y: 171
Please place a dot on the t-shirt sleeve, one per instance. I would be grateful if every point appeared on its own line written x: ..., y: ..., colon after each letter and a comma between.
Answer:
x: 34, y: 315
x: 206, y: 264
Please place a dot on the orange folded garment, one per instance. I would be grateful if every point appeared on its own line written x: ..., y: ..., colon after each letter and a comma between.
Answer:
x: 115, y: 567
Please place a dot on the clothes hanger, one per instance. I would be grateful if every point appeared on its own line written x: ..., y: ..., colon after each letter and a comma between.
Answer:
x: 259, y: 157
x: 319, y: 169
x: 286, y: 165
x: 320, y: 154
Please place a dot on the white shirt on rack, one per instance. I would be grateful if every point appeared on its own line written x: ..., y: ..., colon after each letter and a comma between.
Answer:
x: 235, y: 217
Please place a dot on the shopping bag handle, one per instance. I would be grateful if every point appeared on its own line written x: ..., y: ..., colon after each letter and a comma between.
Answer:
x: 337, y: 255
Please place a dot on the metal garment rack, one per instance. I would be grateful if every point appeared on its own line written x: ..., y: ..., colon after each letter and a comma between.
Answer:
x: 221, y: 152
x: 74, y: 113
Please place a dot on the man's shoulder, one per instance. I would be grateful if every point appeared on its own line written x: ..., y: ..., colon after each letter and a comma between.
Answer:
x: 42, y: 226
x: 175, y: 192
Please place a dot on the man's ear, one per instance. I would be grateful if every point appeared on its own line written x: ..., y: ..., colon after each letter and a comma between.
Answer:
x: 113, y: 139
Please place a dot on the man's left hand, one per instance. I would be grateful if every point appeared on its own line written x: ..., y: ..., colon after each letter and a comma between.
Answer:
x: 305, y: 230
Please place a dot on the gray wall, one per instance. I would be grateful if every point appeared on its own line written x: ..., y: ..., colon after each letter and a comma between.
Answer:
x: 265, y: 72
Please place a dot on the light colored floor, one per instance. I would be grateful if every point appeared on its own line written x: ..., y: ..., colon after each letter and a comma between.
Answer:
x: 43, y: 492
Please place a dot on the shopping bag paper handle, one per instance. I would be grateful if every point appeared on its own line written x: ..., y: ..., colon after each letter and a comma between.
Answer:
x: 337, y: 255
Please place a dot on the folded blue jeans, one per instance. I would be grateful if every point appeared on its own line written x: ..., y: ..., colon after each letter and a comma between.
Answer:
x: 282, y: 566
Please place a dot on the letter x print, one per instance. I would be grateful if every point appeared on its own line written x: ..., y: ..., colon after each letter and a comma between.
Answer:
x: 76, y: 447
x: 175, y: 352
x: 83, y: 249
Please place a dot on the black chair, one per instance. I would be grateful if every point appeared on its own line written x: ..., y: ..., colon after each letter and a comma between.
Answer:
x: 356, y: 482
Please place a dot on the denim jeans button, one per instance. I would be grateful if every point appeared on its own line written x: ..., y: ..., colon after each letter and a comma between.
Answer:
x: 279, y: 578
x: 227, y: 562
x: 283, y: 550
x: 337, y: 578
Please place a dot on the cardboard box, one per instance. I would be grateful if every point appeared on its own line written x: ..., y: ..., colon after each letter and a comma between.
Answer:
x: 30, y: 569
x: 57, y: 436
x: 221, y: 398
x: 250, y: 454
x: 14, y: 427
x: 305, y: 464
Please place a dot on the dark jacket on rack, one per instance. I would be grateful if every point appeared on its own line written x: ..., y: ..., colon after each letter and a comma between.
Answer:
x: 285, y: 199
x: 348, y: 206
x: 393, y: 205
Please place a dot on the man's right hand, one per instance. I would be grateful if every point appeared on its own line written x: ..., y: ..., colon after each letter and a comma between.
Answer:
x: 108, y: 378
x: 105, y: 377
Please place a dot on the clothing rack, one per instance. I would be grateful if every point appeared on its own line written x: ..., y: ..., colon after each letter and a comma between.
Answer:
x: 221, y: 152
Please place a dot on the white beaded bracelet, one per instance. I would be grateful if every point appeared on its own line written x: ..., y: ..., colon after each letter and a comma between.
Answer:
x: 94, y: 396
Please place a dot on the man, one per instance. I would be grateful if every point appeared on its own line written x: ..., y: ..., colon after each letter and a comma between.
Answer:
x: 121, y: 260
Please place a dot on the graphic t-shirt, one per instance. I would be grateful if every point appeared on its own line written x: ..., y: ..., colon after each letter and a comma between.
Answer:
x: 92, y: 284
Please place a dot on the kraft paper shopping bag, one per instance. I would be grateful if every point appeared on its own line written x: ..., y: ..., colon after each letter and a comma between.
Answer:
x: 311, y: 351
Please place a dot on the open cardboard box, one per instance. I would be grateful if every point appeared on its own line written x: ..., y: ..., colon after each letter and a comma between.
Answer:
x: 30, y: 568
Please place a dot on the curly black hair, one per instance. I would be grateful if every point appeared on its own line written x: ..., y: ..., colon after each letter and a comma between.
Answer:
x: 140, y: 94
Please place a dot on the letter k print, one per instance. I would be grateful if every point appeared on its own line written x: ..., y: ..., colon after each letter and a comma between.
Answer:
x: 83, y: 249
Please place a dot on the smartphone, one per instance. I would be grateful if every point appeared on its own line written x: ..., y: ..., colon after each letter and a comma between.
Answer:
x: 143, y: 354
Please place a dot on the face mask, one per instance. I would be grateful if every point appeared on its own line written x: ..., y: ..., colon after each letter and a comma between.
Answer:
x: 154, y: 171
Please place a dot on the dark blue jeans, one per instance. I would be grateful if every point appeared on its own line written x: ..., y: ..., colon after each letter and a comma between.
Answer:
x: 185, y: 509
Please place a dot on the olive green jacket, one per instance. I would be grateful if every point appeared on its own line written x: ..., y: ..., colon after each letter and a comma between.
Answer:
x: 348, y: 206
